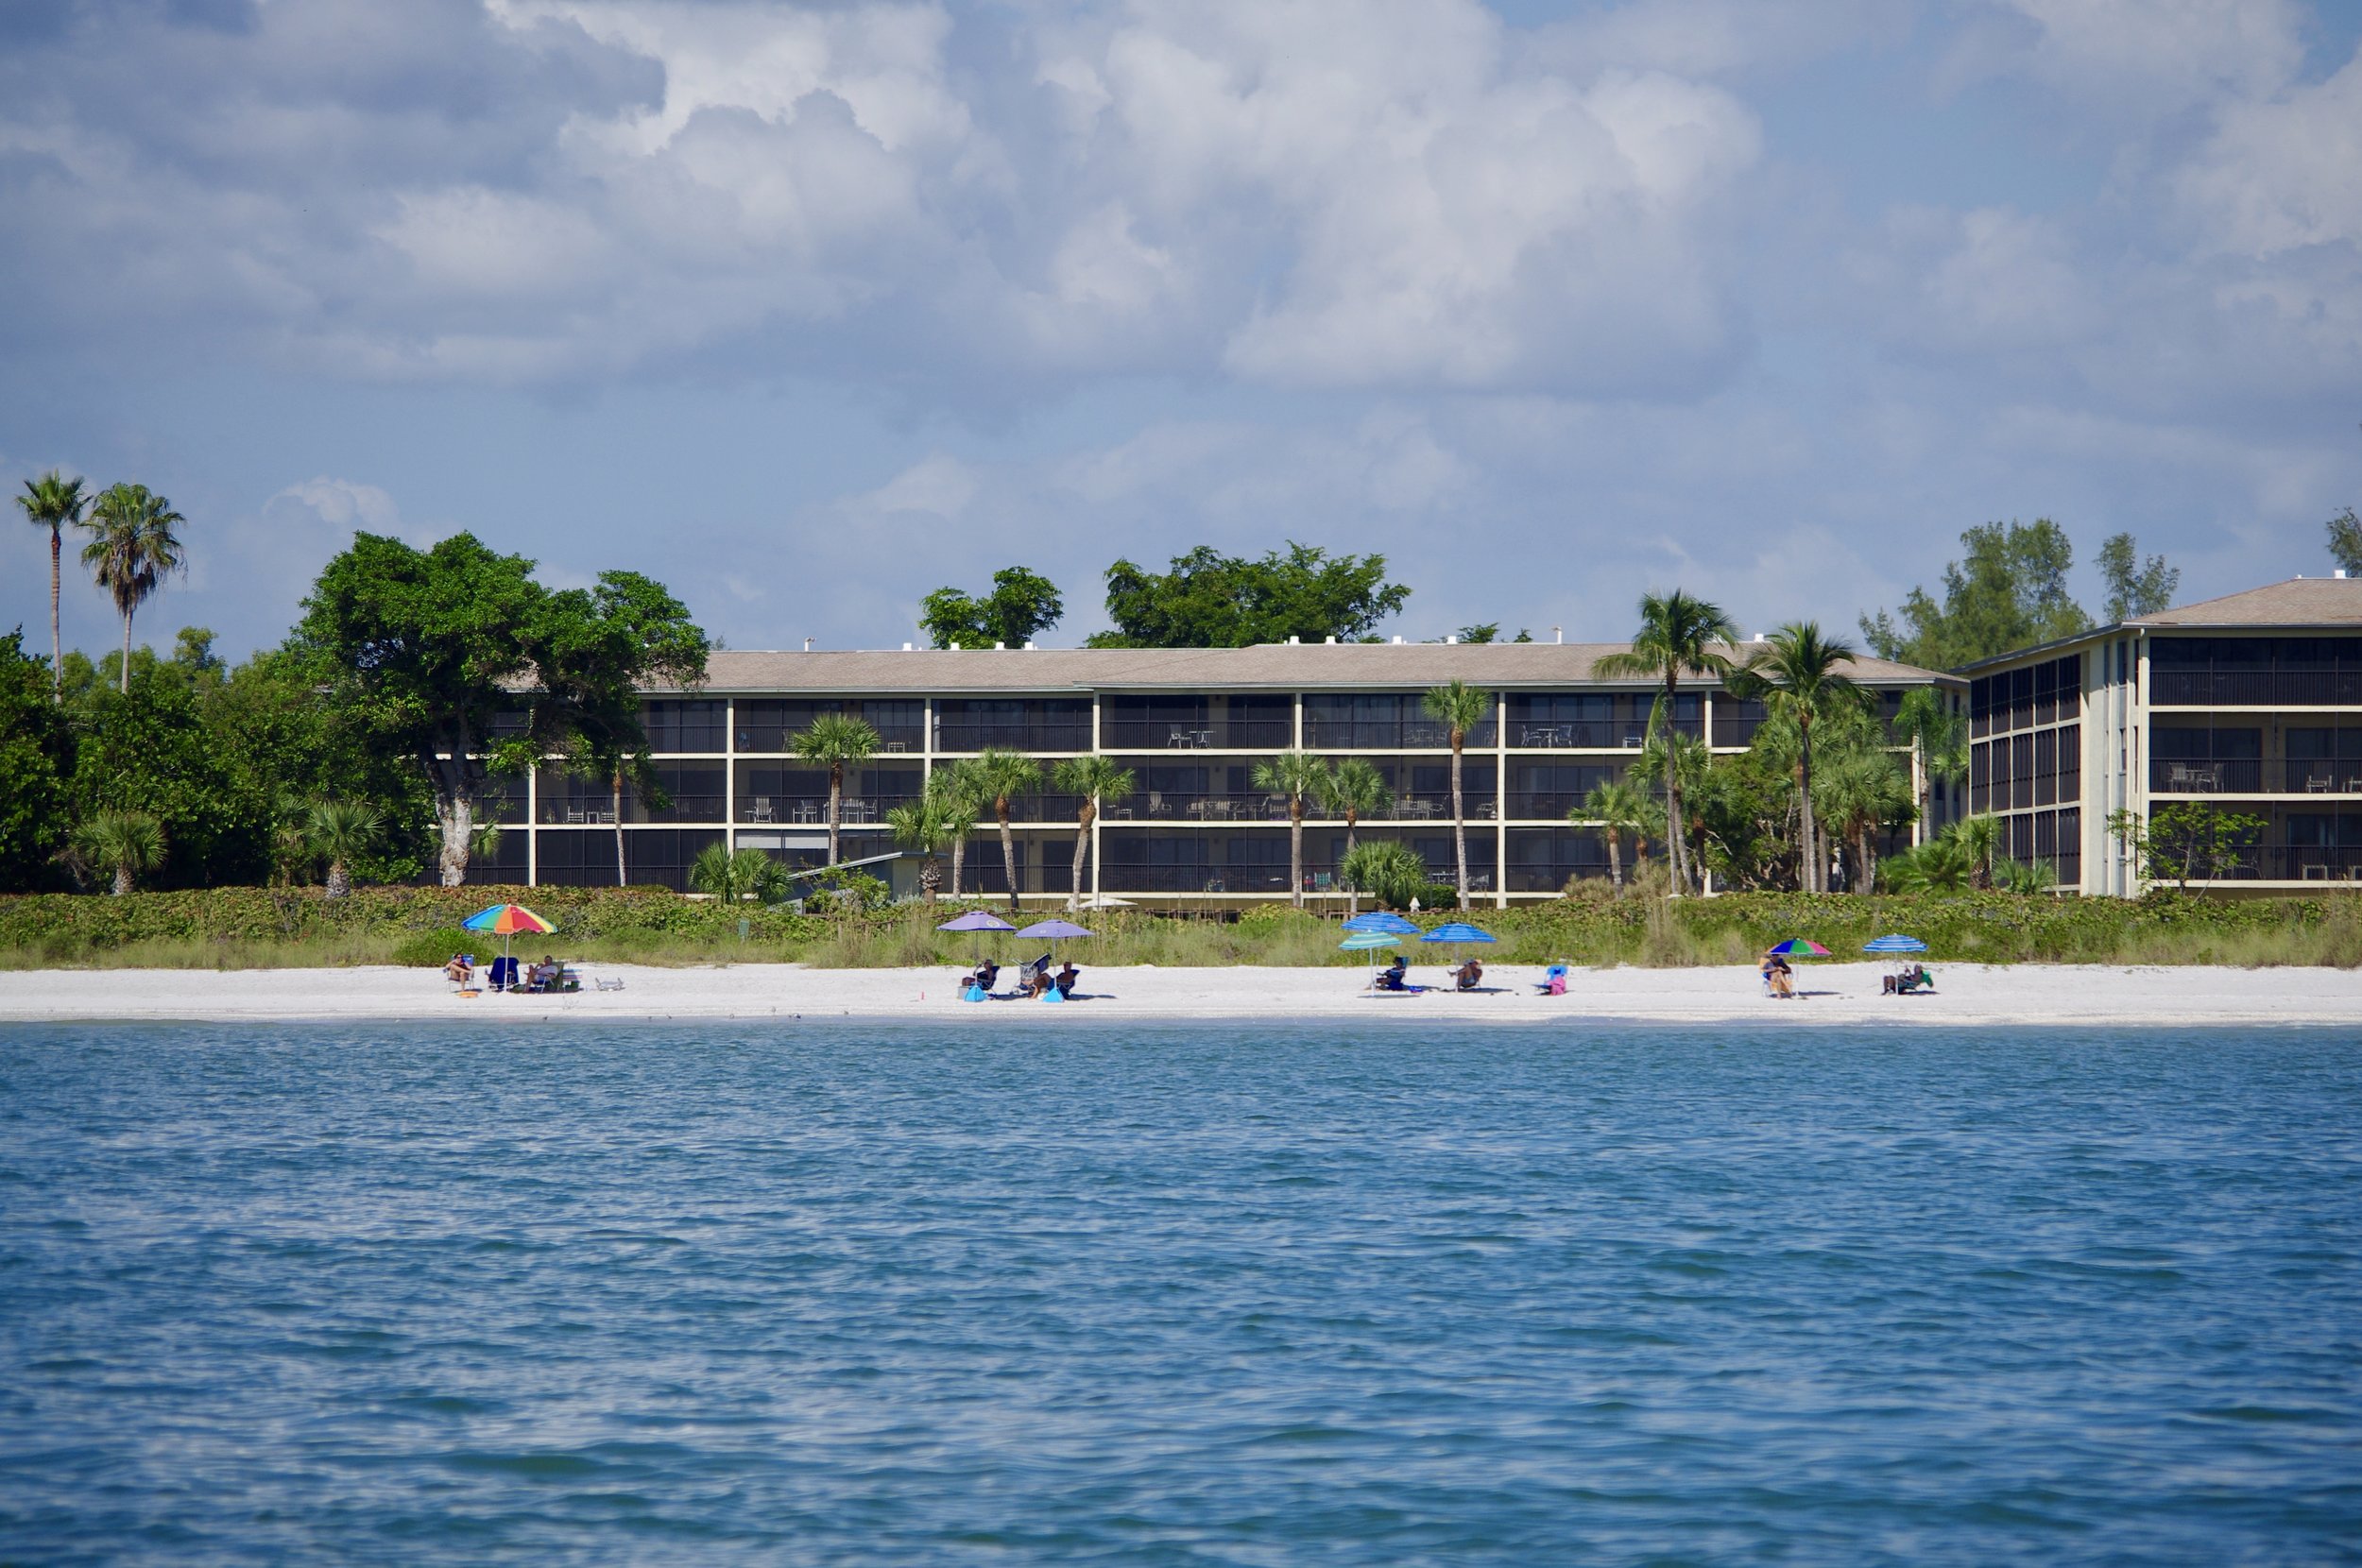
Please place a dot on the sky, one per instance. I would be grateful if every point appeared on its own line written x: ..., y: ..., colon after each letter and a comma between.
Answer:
x: 809, y: 308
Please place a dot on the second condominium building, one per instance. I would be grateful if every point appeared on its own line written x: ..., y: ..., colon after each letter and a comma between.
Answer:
x: 1191, y: 724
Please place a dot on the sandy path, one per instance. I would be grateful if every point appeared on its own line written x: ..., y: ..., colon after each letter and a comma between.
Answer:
x: 1838, y: 994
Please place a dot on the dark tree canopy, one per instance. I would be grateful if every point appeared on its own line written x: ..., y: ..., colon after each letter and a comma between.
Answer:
x: 1214, y: 601
x: 2010, y: 592
x: 2345, y: 541
x: 422, y: 649
x: 36, y: 762
x: 2135, y: 586
x: 1020, y: 604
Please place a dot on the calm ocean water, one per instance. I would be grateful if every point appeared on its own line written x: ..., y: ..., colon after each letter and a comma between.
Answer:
x: 1262, y: 1295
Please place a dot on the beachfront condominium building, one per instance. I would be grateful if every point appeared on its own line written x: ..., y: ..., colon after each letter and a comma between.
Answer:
x: 2251, y: 703
x: 1197, y: 831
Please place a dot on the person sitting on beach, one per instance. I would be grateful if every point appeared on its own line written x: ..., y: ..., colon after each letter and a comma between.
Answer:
x: 459, y: 971
x: 987, y: 975
x: 1391, y: 979
x: 1068, y: 975
x: 1467, y: 974
x: 543, y: 975
x: 1777, y: 975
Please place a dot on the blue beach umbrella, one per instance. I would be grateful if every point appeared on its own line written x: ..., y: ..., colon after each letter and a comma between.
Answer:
x: 976, y: 920
x: 1050, y: 931
x: 1895, y: 944
x: 1457, y: 930
x: 1382, y: 920
x: 1370, y: 942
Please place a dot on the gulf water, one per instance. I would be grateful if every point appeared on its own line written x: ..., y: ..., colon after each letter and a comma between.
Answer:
x: 819, y: 1293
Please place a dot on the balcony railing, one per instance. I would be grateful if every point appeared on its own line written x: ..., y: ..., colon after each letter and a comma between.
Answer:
x: 1210, y: 735
x: 806, y: 810
x: 1026, y: 737
x: 2333, y: 775
x: 1385, y: 735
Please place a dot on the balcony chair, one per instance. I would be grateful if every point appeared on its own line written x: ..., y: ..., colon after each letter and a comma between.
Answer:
x: 761, y: 809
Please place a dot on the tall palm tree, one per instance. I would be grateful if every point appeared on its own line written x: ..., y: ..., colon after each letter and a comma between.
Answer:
x: 1296, y: 774
x: 1938, y: 735
x: 964, y: 797
x: 1859, y: 789
x: 1004, y: 777
x: 1678, y: 764
x: 132, y: 549
x: 734, y: 878
x: 1619, y: 808
x: 127, y: 843
x: 54, y: 502
x: 1094, y: 780
x: 1800, y: 670
x: 1677, y: 638
x: 1459, y: 707
x: 937, y: 821
x: 1352, y: 788
x: 341, y: 832
x: 836, y: 740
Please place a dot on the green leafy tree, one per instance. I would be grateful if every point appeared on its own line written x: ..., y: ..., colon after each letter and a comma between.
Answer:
x: 149, y: 750
x: 2008, y: 592
x: 732, y: 878
x: 127, y: 843
x: 36, y: 766
x: 1020, y: 604
x: 1209, y: 600
x: 1679, y: 636
x: 966, y: 794
x: 1939, y: 866
x: 1300, y: 775
x: 1460, y: 708
x: 938, y: 820
x: 1619, y: 808
x: 1003, y: 777
x: 131, y: 551
x: 2135, y: 586
x: 1094, y: 781
x: 421, y: 650
x: 2188, y: 840
x: 1861, y: 791
x: 1979, y: 839
x: 1353, y: 788
x: 1683, y: 769
x: 1802, y: 678
x: 1936, y: 733
x: 836, y: 742
x: 341, y: 832
x: 57, y: 503
x: 2345, y: 541
x: 1389, y: 871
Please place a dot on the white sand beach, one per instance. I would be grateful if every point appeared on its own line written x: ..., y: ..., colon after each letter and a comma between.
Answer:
x: 1835, y: 994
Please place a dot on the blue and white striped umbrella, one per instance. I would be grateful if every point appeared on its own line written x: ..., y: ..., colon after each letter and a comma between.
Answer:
x: 1382, y: 920
x: 1895, y: 944
x: 1457, y: 930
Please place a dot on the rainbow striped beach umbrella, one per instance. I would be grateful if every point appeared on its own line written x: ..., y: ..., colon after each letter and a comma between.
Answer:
x: 1801, y: 946
x: 506, y: 920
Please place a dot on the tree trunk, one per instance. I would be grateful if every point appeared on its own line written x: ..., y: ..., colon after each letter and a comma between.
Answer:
x: 56, y: 644
x: 958, y: 856
x: 1353, y: 821
x: 339, y: 880
x: 1458, y: 820
x: 1296, y: 850
x: 1865, y: 860
x: 1816, y: 863
x: 836, y: 789
x: 1082, y: 847
x: 617, y: 804
x: 1008, y: 847
x: 1673, y: 834
x: 1616, y: 861
x: 455, y: 816
x: 126, y: 672
x: 123, y: 878
x: 929, y: 879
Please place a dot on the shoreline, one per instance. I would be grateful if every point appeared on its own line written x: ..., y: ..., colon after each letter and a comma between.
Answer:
x: 1833, y: 994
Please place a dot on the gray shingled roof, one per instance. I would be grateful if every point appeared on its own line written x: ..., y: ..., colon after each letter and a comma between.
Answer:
x: 2298, y: 601
x: 1270, y: 665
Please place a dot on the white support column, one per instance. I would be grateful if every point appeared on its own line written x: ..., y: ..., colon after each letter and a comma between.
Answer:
x: 729, y: 775
x: 532, y: 826
x: 1098, y: 817
x: 1500, y: 800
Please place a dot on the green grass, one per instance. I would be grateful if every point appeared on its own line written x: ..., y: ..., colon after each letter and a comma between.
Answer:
x: 255, y: 927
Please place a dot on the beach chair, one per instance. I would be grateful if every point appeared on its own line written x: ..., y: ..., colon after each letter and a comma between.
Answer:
x: 1554, y: 981
x: 503, y: 974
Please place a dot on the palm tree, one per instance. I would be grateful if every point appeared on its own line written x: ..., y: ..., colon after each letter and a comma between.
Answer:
x: 1389, y: 871
x: 1937, y: 734
x: 1676, y: 638
x: 963, y: 797
x: 340, y: 833
x: 1354, y: 788
x: 1459, y: 707
x: 1296, y: 774
x: 1678, y: 764
x: 1938, y: 865
x: 129, y: 843
x: 1800, y: 671
x: 53, y: 502
x: 734, y: 877
x: 1979, y: 839
x: 1002, y: 776
x: 1861, y: 790
x: 1619, y: 808
x: 132, y: 549
x: 1093, y: 780
x: 834, y: 741
x: 935, y: 821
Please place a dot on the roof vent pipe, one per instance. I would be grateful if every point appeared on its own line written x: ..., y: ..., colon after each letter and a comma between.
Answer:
x: 955, y: 647
x: 1293, y: 641
x: 1029, y: 645
x: 1556, y: 635
x: 1328, y: 643
x: 1398, y: 639
x: 1000, y: 647
x: 1450, y: 639
x: 808, y: 646
x: 906, y: 647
